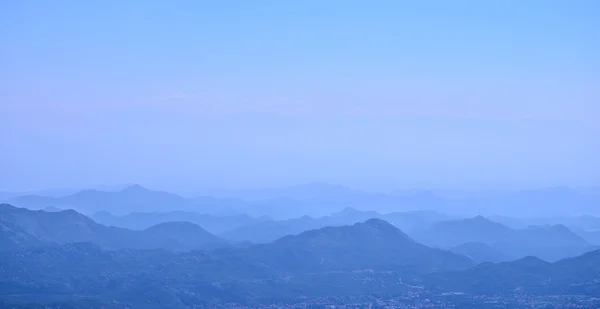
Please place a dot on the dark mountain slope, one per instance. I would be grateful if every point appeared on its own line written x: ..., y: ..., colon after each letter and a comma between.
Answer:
x: 22, y: 228
x: 181, y: 236
x: 373, y: 244
x: 578, y: 275
x: 328, y: 261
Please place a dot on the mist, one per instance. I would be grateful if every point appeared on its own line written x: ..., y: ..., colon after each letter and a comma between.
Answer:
x: 337, y: 154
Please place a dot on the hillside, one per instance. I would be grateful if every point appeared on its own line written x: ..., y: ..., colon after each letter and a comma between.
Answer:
x: 480, y: 252
x: 452, y: 233
x: 551, y: 242
x: 577, y: 275
x: 265, y: 231
x: 26, y: 228
x: 143, y: 220
x: 328, y: 261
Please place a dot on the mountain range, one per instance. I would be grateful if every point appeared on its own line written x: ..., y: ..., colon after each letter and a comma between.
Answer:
x: 479, y: 237
x: 65, y: 256
x: 319, y: 200
x: 577, y: 275
x: 549, y: 242
x: 26, y: 228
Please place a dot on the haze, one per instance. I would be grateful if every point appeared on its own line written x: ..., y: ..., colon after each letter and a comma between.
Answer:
x: 192, y: 95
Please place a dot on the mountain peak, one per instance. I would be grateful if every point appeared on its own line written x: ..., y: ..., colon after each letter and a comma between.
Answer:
x: 134, y: 188
x: 347, y: 210
x: 379, y: 223
x: 6, y: 206
x: 176, y: 225
x: 480, y: 218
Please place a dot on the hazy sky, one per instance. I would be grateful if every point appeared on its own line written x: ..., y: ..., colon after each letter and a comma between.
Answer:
x: 232, y: 94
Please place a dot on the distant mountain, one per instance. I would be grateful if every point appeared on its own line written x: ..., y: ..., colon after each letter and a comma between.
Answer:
x: 583, y: 221
x: 547, y: 242
x: 20, y: 227
x: 551, y: 201
x: 365, y: 258
x: 181, y: 235
x: 513, y: 223
x: 550, y: 242
x: 373, y: 244
x: 142, y: 220
x: 318, y: 200
x: 52, y: 209
x: 267, y: 231
x: 132, y: 198
x: 592, y: 237
x: 413, y: 220
x: 307, y: 191
x: 577, y: 275
x: 452, y: 233
x: 551, y: 235
x: 350, y: 215
x: 480, y: 252
x: 368, y: 259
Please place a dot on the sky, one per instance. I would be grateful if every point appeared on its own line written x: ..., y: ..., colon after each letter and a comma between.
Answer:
x: 184, y: 95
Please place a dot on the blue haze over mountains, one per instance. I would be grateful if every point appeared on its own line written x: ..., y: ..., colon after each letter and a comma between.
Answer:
x: 193, y: 254
x: 299, y: 154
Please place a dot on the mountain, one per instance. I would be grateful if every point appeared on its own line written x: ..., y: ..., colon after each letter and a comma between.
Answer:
x: 551, y: 235
x: 332, y: 261
x: 181, y: 235
x: 267, y: 231
x: 132, y: 198
x: 350, y: 215
x: 142, y: 220
x: 552, y: 242
x: 577, y: 275
x: 373, y: 244
x: 452, y: 233
x: 135, y: 198
x: 318, y: 200
x: 480, y: 252
x: 370, y: 260
x: 307, y: 191
x: 549, y: 242
x: 513, y: 223
x: 592, y: 237
x: 410, y: 221
x: 20, y: 227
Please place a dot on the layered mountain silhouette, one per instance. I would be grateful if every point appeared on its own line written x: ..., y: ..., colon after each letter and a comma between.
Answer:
x: 269, y: 230
x: 319, y: 200
x: 480, y: 252
x: 373, y: 244
x: 143, y: 220
x: 134, y: 198
x: 25, y: 228
x: 550, y: 242
x: 575, y: 275
x: 331, y: 260
x: 66, y: 255
x: 455, y: 232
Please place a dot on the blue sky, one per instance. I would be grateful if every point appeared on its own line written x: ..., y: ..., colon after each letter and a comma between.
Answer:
x: 234, y: 94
